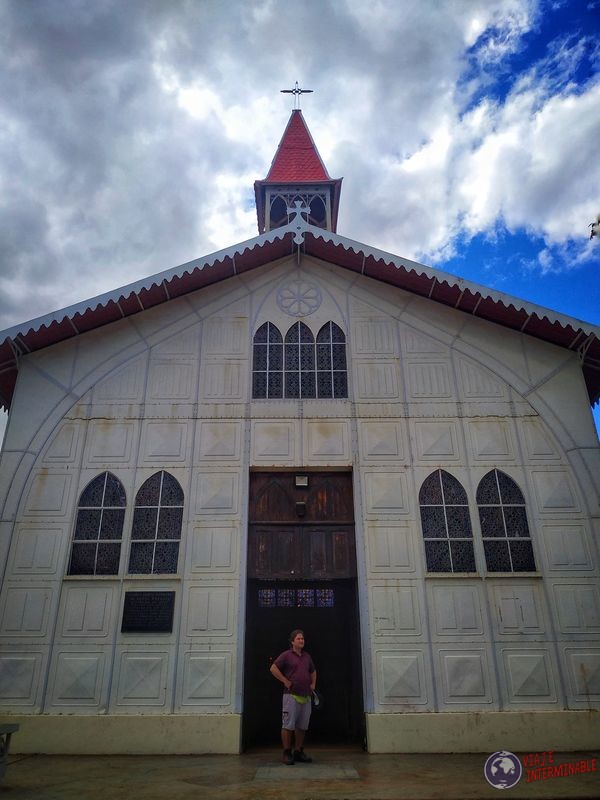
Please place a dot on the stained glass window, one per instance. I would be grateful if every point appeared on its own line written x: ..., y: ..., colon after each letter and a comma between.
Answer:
x: 305, y: 598
x: 267, y: 365
x: 156, y: 530
x: 325, y: 598
x: 299, y: 367
x: 332, y: 380
x: 446, y: 524
x: 267, y: 598
x: 506, y: 538
x: 296, y: 598
x: 299, y: 362
x: 286, y: 598
x: 96, y: 547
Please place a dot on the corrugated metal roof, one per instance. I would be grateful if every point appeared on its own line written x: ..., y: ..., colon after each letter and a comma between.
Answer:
x: 438, y: 286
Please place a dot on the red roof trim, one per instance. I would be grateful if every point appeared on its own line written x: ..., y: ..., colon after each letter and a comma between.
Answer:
x: 411, y: 277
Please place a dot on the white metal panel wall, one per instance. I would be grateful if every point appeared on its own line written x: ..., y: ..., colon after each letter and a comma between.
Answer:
x: 429, y: 389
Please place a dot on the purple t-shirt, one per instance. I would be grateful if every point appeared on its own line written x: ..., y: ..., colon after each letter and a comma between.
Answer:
x: 297, y: 669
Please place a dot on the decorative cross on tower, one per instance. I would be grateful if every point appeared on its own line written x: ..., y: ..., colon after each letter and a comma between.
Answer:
x: 298, y: 220
x: 296, y: 91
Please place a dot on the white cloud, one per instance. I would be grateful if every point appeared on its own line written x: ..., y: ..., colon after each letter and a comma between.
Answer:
x: 132, y: 133
x: 496, y: 32
x: 528, y: 162
x: 536, y: 166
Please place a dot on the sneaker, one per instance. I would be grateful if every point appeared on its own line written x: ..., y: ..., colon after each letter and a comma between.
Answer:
x: 300, y: 755
x: 288, y: 758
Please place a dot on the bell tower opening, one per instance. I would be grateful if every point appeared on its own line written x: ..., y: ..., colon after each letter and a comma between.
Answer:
x: 278, y: 215
x: 318, y: 212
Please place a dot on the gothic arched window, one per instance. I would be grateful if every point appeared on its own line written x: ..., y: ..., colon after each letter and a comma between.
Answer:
x: 332, y: 378
x: 156, y: 530
x: 318, y: 213
x: 506, y: 537
x: 267, y: 362
x: 96, y: 547
x: 446, y: 524
x: 279, y: 215
x: 299, y: 368
x: 299, y: 362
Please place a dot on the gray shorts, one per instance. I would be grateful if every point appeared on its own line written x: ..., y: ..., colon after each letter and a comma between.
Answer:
x: 295, y: 715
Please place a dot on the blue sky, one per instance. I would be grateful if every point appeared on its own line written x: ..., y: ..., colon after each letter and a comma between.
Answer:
x: 510, y: 257
x: 467, y: 133
x: 507, y: 262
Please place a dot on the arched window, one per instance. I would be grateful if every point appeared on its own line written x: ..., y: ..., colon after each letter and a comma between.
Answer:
x: 156, y: 530
x: 446, y: 524
x: 299, y: 368
x: 279, y: 215
x: 332, y: 379
x: 96, y: 547
x: 506, y: 537
x: 299, y: 362
x: 267, y: 362
x: 317, y: 215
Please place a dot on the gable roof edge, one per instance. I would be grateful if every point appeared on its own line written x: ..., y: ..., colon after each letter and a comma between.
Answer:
x: 453, y: 291
x: 447, y: 277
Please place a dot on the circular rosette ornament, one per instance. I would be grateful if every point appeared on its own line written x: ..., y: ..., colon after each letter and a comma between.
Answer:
x: 299, y: 298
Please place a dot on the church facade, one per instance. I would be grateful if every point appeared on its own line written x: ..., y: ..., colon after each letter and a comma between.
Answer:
x: 300, y: 432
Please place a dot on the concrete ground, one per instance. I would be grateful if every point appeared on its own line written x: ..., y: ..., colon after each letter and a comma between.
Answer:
x: 336, y: 774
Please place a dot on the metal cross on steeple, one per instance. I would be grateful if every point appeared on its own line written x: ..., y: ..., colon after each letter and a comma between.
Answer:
x: 296, y: 91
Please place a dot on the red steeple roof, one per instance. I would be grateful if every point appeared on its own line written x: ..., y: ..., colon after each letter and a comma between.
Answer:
x: 297, y: 160
x: 297, y: 166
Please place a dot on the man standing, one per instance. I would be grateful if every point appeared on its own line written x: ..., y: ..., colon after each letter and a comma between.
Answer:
x: 295, y: 669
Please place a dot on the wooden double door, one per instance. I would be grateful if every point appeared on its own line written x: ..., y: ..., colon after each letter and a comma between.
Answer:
x: 302, y: 574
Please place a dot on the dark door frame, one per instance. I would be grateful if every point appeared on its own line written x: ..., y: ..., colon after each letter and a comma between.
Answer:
x: 303, y: 537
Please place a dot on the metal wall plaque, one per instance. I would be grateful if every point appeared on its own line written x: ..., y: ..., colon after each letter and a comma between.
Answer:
x: 148, y: 612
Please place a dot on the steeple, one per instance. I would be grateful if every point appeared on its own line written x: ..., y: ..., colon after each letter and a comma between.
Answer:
x: 297, y: 173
